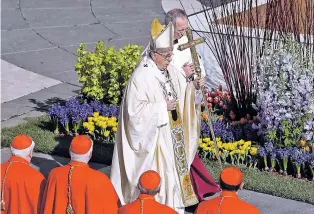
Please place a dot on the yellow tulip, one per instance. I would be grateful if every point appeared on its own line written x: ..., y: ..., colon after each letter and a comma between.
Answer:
x: 253, y: 151
x: 106, y: 134
x: 206, y: 140
x: 203, y: 145
x: 206, y: 148
x: 219, y: 144
x: 200, y: 141
x: 95, y: 114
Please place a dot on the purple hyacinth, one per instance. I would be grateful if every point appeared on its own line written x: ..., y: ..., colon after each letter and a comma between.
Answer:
x: 299, y: 157
x: 63, y: 116
x: 311, y: 162
x: 114, y: 111
x: 97, y: 106
x: 273, y: 154
x: 85, y: 110
x: 223, y: 131
x: 237, y: 132
x: 205, y: 129
x: 250, y: 133
x: 60, y: 112
x: 282, y: 153
x: 261, y: 151
x: 269, y: 147
x: 54, y: 111
x: 105, y: 111
x: 73, y: 109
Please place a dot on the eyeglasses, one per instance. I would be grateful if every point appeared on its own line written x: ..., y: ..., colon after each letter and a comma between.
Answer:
x: 168, y: 57
x: 183, y: 30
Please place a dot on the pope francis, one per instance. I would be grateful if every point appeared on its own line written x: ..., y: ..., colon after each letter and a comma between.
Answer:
x: 150, y: 131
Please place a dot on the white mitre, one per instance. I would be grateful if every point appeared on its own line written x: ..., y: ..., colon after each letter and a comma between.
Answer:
x: 161, y: 37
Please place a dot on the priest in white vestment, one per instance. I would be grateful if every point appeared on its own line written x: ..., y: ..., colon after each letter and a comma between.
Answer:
x: 190, y: 101
x: 150, y: 130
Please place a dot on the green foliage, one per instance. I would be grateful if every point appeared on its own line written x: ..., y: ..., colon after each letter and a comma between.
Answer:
x: 269, y: 183
x: 104, y: 73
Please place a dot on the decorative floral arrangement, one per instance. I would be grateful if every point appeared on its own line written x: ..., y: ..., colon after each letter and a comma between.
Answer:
x: 237, y: 152
x: 70, y: 117
x: 285, y: 96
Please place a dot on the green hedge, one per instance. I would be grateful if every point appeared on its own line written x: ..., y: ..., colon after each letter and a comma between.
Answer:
x: 272, y: 184
x: 255, y: 180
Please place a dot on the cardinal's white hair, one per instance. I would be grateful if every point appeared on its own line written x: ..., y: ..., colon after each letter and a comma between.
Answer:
x: 24, y: 153
x: 148, y: 192
x: 82, y: 157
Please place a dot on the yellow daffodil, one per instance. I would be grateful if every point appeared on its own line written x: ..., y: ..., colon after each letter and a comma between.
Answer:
x: 90, y: 119
x: 114, y: 129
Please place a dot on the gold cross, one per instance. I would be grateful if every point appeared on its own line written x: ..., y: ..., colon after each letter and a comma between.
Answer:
x: 191, y: 44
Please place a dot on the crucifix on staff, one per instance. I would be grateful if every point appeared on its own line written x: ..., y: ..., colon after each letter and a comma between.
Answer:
x: 191, y: 45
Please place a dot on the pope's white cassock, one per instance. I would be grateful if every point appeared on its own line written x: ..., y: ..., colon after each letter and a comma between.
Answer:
x: 149, y: 139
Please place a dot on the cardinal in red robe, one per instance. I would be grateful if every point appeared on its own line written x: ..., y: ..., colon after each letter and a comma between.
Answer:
x: 21, y: 185
x: 76, y: 188
x: 149, y: 186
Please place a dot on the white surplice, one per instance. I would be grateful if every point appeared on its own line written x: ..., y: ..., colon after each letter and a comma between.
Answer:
x: 143, y: 139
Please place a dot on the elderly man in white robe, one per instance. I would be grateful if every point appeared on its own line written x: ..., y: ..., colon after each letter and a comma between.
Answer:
x: 150, y: 131
x: 190, y: 99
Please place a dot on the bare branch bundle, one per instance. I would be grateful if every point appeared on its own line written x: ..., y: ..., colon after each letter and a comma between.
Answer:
x: 237, y: 32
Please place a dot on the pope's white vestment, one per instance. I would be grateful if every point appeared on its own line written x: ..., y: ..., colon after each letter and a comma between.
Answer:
x: 144, y: 140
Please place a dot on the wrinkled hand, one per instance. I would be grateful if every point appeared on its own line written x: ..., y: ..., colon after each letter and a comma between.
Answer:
x: 189, y: 69
x: 199, y: 82
x: 171, y: 105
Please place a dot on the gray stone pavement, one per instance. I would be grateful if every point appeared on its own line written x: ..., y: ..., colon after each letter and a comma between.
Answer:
x: 267, y: 204
x: 41, y: 36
